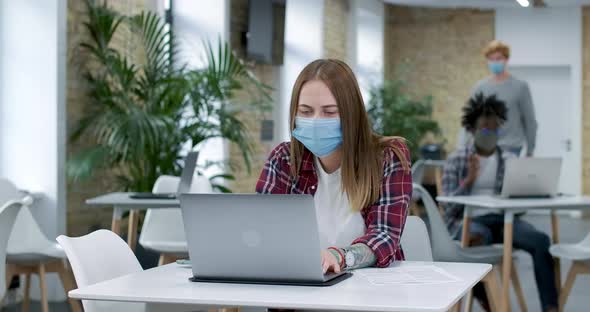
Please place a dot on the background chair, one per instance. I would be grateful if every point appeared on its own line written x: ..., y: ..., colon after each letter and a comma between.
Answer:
x: 444, y: 249
x: 100, y: 256
x: 29, y: 251
x: 9, y: 207
x: 415, y: 241
x: 579, y: 254
x: 419, y: 169
x: 163, y: 229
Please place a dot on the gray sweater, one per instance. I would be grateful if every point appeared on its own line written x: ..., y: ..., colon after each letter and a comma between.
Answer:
x: 521, y: 125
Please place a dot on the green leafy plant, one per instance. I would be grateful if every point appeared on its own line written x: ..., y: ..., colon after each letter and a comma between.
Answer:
x: 394, y: 112
x: 143, y: 115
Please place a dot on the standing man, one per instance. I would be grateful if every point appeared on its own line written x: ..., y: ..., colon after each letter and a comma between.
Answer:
x: 521, y: 124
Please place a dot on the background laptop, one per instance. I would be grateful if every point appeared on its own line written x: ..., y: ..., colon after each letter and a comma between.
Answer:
x: 253, y: 238
x: 531, y: 177
x: 186, y: 178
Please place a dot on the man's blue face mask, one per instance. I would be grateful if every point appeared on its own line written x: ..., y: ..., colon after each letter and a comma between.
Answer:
x: 496, y: 67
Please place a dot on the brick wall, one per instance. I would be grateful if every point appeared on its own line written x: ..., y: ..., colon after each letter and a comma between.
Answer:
x: 268, y: 74
x: 440, y: 50
x: 336, y: 13
x: 80, y: 218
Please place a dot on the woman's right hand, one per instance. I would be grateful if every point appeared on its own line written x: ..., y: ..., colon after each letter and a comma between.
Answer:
x: 330, y: 263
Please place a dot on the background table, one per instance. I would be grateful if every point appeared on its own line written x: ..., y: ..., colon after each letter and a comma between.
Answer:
x: 121, y: 202
x: 510, y: 207
x: 169, y: 285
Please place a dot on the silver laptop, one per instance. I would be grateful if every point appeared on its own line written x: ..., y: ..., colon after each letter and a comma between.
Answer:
x: 253, y: 238
x: 531, y: 177
x: 186, y: 179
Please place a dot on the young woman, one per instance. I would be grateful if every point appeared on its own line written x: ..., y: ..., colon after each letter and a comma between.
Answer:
x: 360, y: 181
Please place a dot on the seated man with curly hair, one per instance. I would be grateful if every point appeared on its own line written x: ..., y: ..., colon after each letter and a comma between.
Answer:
x: 478, y: 169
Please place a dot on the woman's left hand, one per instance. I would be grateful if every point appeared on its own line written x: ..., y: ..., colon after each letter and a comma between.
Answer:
x: 330, y: 262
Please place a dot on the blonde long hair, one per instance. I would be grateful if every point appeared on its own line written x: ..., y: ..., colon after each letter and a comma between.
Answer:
x: 362, y: 149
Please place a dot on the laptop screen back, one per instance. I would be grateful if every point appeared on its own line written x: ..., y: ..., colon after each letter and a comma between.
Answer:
x: 186, y: 178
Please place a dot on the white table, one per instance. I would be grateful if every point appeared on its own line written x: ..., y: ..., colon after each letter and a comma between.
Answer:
x: 510, y: 207
x: 169, y: 285
x: 121, y: 202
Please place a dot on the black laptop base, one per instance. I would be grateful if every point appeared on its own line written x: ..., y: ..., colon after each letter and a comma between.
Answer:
x: 331, y: 282
x: 530, y: 196
x: 153, y: 196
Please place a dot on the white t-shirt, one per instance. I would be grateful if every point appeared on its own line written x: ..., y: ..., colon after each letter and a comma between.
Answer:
x: 338, y: 225
x: 486, y: 179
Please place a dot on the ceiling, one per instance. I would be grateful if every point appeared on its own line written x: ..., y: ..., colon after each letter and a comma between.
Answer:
x: 484, y: 4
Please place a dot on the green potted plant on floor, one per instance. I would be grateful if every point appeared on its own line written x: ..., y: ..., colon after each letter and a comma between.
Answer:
x: 394, y: 112
x: 146, y: 112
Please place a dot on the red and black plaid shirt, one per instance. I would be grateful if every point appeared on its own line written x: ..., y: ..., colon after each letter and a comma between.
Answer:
x: 384, y: 219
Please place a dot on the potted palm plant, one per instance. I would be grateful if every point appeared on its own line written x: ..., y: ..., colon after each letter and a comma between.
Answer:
x: 394, y: 112
x: 143, y: 115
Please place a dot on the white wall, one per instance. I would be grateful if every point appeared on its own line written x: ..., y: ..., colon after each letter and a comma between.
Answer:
x: 366, y: 48
x: 549, y: 37
x: 194, y: 22
x: 32, y: 106
x: 304, y: 22
x: 198, y: 20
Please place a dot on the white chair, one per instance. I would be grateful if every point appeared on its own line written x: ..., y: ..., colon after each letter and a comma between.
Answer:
x: 102, y: 255
x: 444, y: 249
x: 579, y: 254
x: 418, y: 171
x: 163, y: 229
x: 97, y: 257
x: 29, y: 251
x: 10, y: 205
x: 415, y: 241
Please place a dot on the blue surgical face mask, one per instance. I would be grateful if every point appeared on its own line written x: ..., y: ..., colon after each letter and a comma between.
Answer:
x: 486, y: 139
x: 496, y: 67
x: 321, y: 136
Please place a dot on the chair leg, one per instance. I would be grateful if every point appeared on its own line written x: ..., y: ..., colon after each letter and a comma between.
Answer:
x: 43, y: 285
x: 518, y: 289
x: 456, y: 307
x: 166, y: 259
x: 68, y: 284
x: 469, y: 301
x: 492, y: 287
x: 27, y: 294
x: 569, y: 283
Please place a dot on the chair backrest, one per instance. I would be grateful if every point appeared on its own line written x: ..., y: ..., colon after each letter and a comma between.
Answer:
x: 586, y: 241
x: 26, y: 235
x: 9, y: 208
x: 96, y: 257
x: 418, y: 171
x: 415, y: 241
x: 165, y: 225
x: 443, y: 247
x: 166, y: 184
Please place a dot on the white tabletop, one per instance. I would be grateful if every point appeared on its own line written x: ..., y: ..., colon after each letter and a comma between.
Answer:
x: 169, y: 284
x: 496, y: 202
x: 122, y: 199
